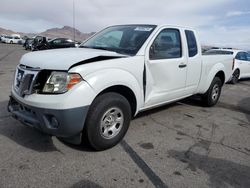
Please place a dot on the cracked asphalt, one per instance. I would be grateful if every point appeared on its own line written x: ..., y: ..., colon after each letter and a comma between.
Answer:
x: 178, y: 145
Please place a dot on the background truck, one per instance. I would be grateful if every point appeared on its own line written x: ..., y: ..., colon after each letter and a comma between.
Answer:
x: 93, y: 91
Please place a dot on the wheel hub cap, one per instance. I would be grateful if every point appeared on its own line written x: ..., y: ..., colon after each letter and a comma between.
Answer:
x: 215, y: 92
x: 111, y: 123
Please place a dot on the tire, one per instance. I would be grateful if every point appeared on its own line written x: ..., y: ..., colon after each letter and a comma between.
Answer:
x: 107, y: 121
x: 235, y: 76
x: 11, y: 42
x: 211, y: 97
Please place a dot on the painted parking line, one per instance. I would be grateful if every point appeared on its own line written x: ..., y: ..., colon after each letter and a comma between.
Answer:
x: 152, y: 176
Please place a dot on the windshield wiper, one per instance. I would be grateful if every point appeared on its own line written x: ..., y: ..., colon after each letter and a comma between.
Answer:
x: 102, y: 48
x: 84, y: 47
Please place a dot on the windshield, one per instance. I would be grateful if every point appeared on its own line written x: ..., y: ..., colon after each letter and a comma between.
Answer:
x: 125, y: 39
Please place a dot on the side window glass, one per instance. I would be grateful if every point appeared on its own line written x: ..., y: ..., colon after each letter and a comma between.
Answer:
x: 57, y: 41
x: 192, y: 45
x: 241, y: 56
x: 237, y: 56
x: 167, y: 45
x: 248, y: 56
x: 244, y: 56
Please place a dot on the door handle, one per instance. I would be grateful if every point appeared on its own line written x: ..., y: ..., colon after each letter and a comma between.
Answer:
x: 182, y: 65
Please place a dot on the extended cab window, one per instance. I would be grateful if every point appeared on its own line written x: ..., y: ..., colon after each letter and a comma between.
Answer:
x: 192, y: 45
x: 167, y: 45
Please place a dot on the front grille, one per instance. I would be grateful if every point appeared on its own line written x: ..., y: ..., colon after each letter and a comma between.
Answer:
x: 24, y: 80
x: 25, y: 86
x: 40, y: 80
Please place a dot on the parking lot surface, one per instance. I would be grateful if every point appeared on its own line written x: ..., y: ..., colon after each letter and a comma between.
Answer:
x: 178, y: 145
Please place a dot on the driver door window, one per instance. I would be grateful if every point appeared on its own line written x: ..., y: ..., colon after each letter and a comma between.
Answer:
x: 167, y: 45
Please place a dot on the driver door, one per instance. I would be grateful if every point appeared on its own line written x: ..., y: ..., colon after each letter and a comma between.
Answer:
x: 166, y: 68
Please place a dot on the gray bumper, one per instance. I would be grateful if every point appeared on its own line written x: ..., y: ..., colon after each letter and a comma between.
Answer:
x: 64, y: 123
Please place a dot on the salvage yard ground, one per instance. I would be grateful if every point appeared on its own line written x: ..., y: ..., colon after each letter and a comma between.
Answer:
x: 178, y: 145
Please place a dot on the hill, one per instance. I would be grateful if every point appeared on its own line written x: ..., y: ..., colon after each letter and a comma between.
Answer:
x: 66, y: 31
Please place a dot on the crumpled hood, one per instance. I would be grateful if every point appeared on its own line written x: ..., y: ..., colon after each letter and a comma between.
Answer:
x: 63, y: 59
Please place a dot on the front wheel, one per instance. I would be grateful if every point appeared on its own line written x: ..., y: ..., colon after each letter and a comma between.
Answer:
x: 107, y: 121
x: 211, y: 97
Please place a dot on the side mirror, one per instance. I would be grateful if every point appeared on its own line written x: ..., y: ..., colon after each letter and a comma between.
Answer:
x: 152, y: 52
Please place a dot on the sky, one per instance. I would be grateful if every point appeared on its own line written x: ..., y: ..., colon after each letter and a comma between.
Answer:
x: 224, y: 23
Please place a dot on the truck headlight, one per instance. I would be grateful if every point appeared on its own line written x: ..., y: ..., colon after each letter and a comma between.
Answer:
x: 61, y: 82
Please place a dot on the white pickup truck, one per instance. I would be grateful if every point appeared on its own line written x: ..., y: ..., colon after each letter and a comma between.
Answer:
x: 93, y: 91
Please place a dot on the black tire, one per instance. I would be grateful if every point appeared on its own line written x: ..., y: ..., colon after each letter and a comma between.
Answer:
x: 98, y: 111
x: 211, y: 97
x: 235, y: 76
x: 11, y: 42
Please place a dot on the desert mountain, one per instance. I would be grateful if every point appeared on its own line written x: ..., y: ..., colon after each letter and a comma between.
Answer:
x: 66, y: 31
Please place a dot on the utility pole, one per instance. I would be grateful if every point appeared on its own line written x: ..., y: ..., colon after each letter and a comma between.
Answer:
x: 74, y: 30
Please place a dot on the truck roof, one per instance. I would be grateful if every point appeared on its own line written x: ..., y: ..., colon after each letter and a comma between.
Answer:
x: 156, y: 25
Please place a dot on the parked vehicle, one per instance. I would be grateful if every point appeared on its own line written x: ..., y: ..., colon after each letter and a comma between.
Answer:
x: 4, y: 38
x: 12, y: 39
x: 28, y: 43
x: 55, y: 43
x: 94, y: 90
x: 241, y: 66
x: 36, y: 41
x: 61, y: 43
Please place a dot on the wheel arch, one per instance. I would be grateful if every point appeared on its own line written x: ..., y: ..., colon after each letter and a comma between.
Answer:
x: 119, y: 81
x: 125, y: 92
x: 221, y: 75
x: 217, y: 70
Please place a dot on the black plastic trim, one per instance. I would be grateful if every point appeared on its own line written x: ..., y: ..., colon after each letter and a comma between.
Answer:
x: 144, y: 80
x: 70, y: 121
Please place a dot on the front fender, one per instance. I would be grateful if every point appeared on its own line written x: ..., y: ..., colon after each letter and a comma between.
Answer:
x: 105, y: 78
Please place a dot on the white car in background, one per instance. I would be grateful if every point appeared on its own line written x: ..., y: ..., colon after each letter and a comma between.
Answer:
x: 241, y: 66
x: 12, y: 39
x: 4, y: 38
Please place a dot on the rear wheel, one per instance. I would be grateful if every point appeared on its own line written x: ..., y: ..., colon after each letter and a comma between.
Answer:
x: 11, y: 42
x: 211, y: 97
x: 107, y: 121
x: 235, y: 77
